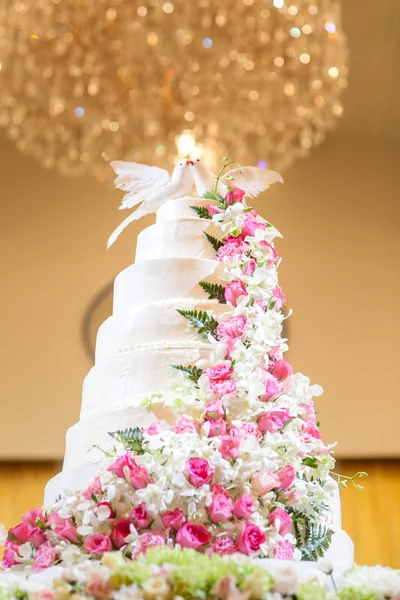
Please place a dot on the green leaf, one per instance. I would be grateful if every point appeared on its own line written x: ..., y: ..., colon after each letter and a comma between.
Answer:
x: 94, y: 498
x: 41, y: 525
x: 317, y: 542
x: 201, y: 320
x: 216, y: 244
x: 12, y: 537
x: 131, y: 439
x: 310, y: 462
x: 202, y: 212
x: 193, y: 373
x: 209, y: 196
x: 215, y: 291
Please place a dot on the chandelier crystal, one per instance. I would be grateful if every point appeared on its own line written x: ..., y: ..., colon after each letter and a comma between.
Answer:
x: 84, y: 82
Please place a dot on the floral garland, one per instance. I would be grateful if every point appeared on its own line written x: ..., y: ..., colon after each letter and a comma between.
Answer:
x: 242, y: 469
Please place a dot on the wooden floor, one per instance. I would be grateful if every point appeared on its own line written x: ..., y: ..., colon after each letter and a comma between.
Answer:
x: 371, y: 517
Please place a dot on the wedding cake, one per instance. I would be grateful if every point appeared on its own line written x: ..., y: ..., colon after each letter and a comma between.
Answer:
x: 193, y: 430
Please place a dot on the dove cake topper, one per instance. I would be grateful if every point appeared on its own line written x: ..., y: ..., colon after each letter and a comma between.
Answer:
x: 150, y: 187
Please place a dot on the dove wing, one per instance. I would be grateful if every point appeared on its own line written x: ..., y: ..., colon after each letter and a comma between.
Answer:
x: 139, y: 180
x: 253, y: 180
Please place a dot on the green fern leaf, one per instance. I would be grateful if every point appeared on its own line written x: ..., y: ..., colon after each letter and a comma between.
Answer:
x: 201, y: 320
x: 192, y: 372
x: 131, y: 439
x: 216, y: 244
x: 202, y: 212
x: 215, y: 291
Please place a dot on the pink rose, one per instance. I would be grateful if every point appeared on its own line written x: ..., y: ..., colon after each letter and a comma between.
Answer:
x: 126, y: 460
x: 280, y: 297
x: 193, y: 536
x: 232, y: 328
x: 214, y: 411
x: 11, y: 552
x: 150, y: 539
x: 140, y: 516
x: 271, y: 389
x: 98, y: 544
x: 220, y: 509
x: 264, y: 482
x: 310, y: 431
x: 223, y: 545
x: 273, y: 420
x: 286, y: 476
x: 281, y: 369
x: 243, y: 507
x: 235, y: 195
x: 220, y: 372
x: 250, y: 267
x: 55, y: 519
x: 273, y: 252
x: 283, y: 550
x: 120, y: 532
x: 281, y: 520
x: 249, y: 227
x: 251, y: 538
x: 67, y: 532
x: 292, y: 497
x: 173, y: 519
x: 139, y: 477
x: 37, y: 537
x: 22, y: 532
x: 105, y: 511
x: 44, y: 557
x: 154, y: 429
x: 233, y: 246
x: 223, y: 387
x: 184, y: 426
x: 234, y: 290
x: 33, y: 516
x: 200, y: 472
x: 94, y: 489
x: 217, y: 427
x: 229, y: 446
x: 213, y: 210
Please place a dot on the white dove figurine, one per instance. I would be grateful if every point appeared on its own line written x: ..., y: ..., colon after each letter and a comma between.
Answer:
x: 151, y: 186
x: 253, y: 180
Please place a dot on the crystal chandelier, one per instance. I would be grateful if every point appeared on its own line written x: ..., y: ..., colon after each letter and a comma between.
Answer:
x: 84, y: 82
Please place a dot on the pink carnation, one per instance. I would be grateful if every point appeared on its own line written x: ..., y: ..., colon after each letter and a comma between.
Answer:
x: 150, y: 539
x: 281, y: 369
x: 37, y: 537
x: 275, y: 352
x: 11, y: 553
x: 232, y: 328
x: 308, y: 412
x: 245, y: 430
x: 243, y: 507
x: 250, y: 267
x: 234, y: 290
x: 286, y: 476
x: 273, y: 420
x: 264, y: 481
x: 44, y: 557
x: 250, y: 226
x: 251, y: 538
x: 200, y: 472
x: 292, y: 497
x: 220, y: 372
x: 311, y: 431
x: 223, y: 545
x: 193, y: 536
x: 98, y: 544
x: 281, y: 520
x: 139, y: 477
x: 67, y: 532
x: 283, y: 550
x: 279, y: 296
x: 214, y: 410
x: 222, y: 388
x: 221, y: 506
x: 94, y: 489
x: 33, y: 516
x: 140, y: 516
x: 184, y: 426
x: 118, y: 467
x: 271, y: 389
x: 274, y: 253
x: 235, y: 195
x: 229, y: 446
x: 217, y: 427
x: 120, y: 532
x: 173, y: 519
x: 154, y: 429
x: 233, y: 246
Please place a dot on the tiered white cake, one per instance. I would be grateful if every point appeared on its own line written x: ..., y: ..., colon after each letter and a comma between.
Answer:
x: 137, y: 345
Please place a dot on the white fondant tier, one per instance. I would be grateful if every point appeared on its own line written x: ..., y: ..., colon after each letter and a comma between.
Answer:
x: 164, y: 279
x: 151, y: 323
x: 179, y: 208
x: 177, y: 238
x: 119, y: 380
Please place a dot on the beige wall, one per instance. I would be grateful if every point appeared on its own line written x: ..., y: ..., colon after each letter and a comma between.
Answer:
x: 339, y: 213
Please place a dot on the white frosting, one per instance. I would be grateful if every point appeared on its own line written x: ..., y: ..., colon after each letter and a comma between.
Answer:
x: 180, y: 209
x: 152, y: 323
x: 163, y: 279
